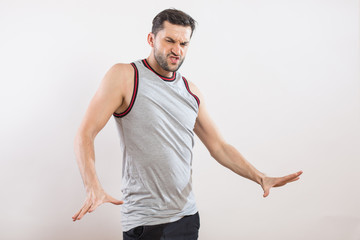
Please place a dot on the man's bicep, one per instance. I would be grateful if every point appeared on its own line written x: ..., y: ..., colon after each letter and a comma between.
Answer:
x: 207, y: 131
x: 205, y: 127
x: 108, y: 97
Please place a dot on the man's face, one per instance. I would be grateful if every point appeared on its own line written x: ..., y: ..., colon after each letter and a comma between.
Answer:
x: 170, y: 46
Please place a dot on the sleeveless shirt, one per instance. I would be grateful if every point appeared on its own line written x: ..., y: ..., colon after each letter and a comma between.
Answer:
x: 156, y: 138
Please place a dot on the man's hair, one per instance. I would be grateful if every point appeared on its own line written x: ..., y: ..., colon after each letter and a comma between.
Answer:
x: 174, y: 16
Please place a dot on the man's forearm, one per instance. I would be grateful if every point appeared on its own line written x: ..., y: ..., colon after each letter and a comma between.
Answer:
x: 229, y: 157
x: 85, y: 157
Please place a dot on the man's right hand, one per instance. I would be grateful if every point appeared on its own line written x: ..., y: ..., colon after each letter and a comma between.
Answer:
x: 93, y: 200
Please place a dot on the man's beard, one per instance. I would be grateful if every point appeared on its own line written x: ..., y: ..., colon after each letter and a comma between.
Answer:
x: 162, y: 61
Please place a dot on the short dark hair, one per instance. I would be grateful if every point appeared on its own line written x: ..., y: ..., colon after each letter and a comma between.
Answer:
x: 174, y: 16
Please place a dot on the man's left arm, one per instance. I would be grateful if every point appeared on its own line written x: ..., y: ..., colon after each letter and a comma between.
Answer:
x: 227, y: 155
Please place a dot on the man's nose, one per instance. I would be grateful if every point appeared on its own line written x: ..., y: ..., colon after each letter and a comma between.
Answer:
x: 176, y: 50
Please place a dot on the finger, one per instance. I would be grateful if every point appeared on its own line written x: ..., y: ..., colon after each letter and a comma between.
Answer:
x: 83, y: 211
x: 295, y: 179
x: 291, y: 176
x: 298, y: 173
x: 77, y: 214
x: 93, y: 207
x: 284, y: 180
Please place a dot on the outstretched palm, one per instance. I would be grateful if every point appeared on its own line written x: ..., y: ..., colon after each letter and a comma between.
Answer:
x: 269, y: 182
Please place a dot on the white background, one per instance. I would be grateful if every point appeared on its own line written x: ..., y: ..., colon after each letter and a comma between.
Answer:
x: 280, y: 79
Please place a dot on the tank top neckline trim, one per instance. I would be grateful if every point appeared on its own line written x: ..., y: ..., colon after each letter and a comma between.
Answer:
x: 167, y: 79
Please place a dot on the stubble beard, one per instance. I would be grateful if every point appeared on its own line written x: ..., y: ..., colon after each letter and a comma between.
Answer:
x: 162, y: 61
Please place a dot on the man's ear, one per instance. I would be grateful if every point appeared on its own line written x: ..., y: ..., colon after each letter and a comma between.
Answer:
x: 151, y: 39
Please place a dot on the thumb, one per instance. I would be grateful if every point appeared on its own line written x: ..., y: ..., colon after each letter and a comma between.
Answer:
x: 115, y: 201
x: 266, y: 192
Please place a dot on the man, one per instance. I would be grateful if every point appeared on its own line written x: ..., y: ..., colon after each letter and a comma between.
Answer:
x: 157, y: 111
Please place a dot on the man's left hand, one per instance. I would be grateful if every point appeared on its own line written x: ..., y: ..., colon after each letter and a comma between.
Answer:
x: 269, y: 182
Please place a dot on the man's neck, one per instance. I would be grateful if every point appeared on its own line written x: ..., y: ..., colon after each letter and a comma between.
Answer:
x: 153, y: 63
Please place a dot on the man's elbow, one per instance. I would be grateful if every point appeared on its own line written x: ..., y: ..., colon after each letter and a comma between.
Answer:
x: 217, y: 149
x: 83, y: 137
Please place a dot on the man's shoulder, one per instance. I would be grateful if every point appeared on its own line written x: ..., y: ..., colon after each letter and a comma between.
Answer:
x: 194, y: 90
x: 193, y: 87
x: 121, y: 72
x: 121, y: 68
x: 119, y: 76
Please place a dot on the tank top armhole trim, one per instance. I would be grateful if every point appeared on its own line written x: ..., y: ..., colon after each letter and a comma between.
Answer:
x: 136, y: 83
x: 188, y: 89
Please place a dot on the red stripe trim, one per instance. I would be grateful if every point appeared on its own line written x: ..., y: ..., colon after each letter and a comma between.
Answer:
x: 162, y: 77
x: 187, y: 87
x: 136, y: 82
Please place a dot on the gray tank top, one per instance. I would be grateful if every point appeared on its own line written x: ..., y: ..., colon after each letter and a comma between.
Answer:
x: 156, y: 138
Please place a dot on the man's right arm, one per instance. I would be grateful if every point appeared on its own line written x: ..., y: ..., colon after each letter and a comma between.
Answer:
x: 111, y: 96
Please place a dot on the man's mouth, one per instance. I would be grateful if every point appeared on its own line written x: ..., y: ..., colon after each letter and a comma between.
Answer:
x: 174, y: 59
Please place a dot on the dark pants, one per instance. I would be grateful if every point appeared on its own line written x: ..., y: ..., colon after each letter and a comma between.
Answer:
x: 186, y: 228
